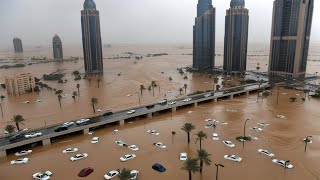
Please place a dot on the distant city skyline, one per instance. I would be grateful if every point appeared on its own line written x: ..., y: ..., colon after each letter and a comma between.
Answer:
x: 145, y: 21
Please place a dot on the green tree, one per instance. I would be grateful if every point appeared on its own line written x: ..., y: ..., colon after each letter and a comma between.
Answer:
x: 125, y: 174
x: 293, y: 99
x: 74, y: 94
x: 180, y: 91
x: 59, y: 99
x: 188, y: 127
x: 142, y: 88
x: 170, y: 78
x: 36, y: 89
x: 258, y: 67
x: 204, y: 157
x: 10, y: 128
x: 200, y: 137
x: 185, y: 88
x: 94, y: 102
x: 78, y: 86
x: 192, y: 166
x: 17, y: 119
x: 153, y: 85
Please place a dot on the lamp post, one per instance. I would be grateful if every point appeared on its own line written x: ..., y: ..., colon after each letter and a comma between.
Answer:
x: 306, y: 141
x: 278, y: 94
x: 139, y: 98
x: 244, y: 130
x: 217, y: 165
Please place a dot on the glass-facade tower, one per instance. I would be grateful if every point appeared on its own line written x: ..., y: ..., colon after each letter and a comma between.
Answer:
x: 290, y: 37
x: 236, y: 37
x: 17, y: 44
x: 57, y: 48
x: 91, y: 38
x: 204, y: 36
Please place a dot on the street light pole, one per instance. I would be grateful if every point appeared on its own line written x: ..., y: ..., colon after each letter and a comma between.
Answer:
x: 244, y: 132
x: 139, y: 98
x: 306, y: 141
x: 217, y: 165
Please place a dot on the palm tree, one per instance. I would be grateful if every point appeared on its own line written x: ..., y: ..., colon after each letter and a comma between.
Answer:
x: 203, y: 156
x: 59, y: 99
x: 78, y: 86
x: 17, y: 119
x: 74, y: 94
x: 2, y: 97
x: 98, y: 81
x: 200, y: 137
x: 142, y: 88
x: 94, y: 102
x: 9, y: 128
x: 170, y: 78
x: 258, y: 67
x: 185, y: 88
x: 188, y: 127
x: 191, y: 165
x: 153, y: 84
x: 125, y: 174
x: 173, y: 134
x: 180, y: 90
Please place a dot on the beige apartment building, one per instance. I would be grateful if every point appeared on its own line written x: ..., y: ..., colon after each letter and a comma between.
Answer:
x: 20, y: 83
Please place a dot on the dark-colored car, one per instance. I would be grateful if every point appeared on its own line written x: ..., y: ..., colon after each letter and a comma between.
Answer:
x: 61, y: 128
x: 108, y: 113
x: 16, y: 137
x: 85, y: 172
x: 158, y: 167
x: 150, y: 106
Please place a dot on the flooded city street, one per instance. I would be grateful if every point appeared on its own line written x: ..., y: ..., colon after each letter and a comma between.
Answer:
x: 284, y: 136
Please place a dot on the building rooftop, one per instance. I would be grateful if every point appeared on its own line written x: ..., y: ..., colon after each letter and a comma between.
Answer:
x: 237, y: 3
x: 89, y: 4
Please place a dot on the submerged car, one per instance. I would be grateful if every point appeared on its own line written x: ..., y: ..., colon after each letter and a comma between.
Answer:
x: 70, y: 150
x: 127, y: 157
x: 131, y: 112
x: 233, y: 158
x: 23, y: 152
x: 20, y: 161
x: 256, y: 128
x: 153, y: 132
x: 229, y: 143
x: 283, y: 163
x: 121, y: 143
x: 209, y: 125
x: 263, y: 124
x: 32, y: 135
x: 215, y: 136
x: 79, y: 156
x: 160, y: 145
x: 95, y: 140
x: 85, y: 172
x: 16, y: 137
x: 158, y: 167
x: 150, y: 106
x: 183, y: 156
x: 42, y: 176
x: 111, y: 174
x: 133, y: 147
x: 134, y: 174
x: 266, y: 152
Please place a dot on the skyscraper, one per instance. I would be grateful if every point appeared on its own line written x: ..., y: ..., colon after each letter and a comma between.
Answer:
x: 17, y: 44
x: 236, y: 37
x: 290, y: 36
x: 204, y: 36
x: 57, y: 48
x: 91, y: 38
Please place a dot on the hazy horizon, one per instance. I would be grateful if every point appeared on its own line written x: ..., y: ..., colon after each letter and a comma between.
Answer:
x: 127, y: 22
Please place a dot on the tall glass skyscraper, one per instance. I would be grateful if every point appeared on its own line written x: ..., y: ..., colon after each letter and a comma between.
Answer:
x: 236, y: 37
x: 204, y: 36
x: 17, y: 44
x: 91, y: 38
x: 57, y: 48
x: 290, y: 36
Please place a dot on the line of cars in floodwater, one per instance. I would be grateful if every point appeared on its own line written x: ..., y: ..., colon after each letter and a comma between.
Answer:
x: 232, y: 157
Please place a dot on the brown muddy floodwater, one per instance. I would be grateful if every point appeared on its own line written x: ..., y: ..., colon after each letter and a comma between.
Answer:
x: 283, y: 137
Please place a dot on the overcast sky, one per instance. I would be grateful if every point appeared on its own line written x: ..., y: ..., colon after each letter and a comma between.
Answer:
x: 127, y: 21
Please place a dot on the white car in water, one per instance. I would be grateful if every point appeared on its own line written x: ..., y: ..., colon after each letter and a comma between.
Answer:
x: 153, y: 132
x: 229, y: 143
x: 127, y: 157
x: 209, y: 120
x: 121, y: 143
x: 160, y: 145
x: 111, y: 174
x: 99, y: 110
x: 31, y: 135
x: 95, y: 140
x: 68, y: 124
x: 78, y: 156
x: 233, y: 158
x: 187, y: 100
x: 183, y: 156
x: 256, y: 129
x: 20, y: 161
x: 134, y: 174
x: 215, y: 136
x: 42, y: 176
x: 263, y: 124
x: 25, y: 102
x: 282, y: 163
x: 70, y: 150
x: 23, y: 153
x: 308, y: 141
x: 38, y: 100
x: 253, y: 137
x: 171, y: 103
x: 82, y: 121
x: 133, y: 147
x: 266, y: 152
x: 209, y: 125
x: 131, y: 112
x: 207, y: 95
